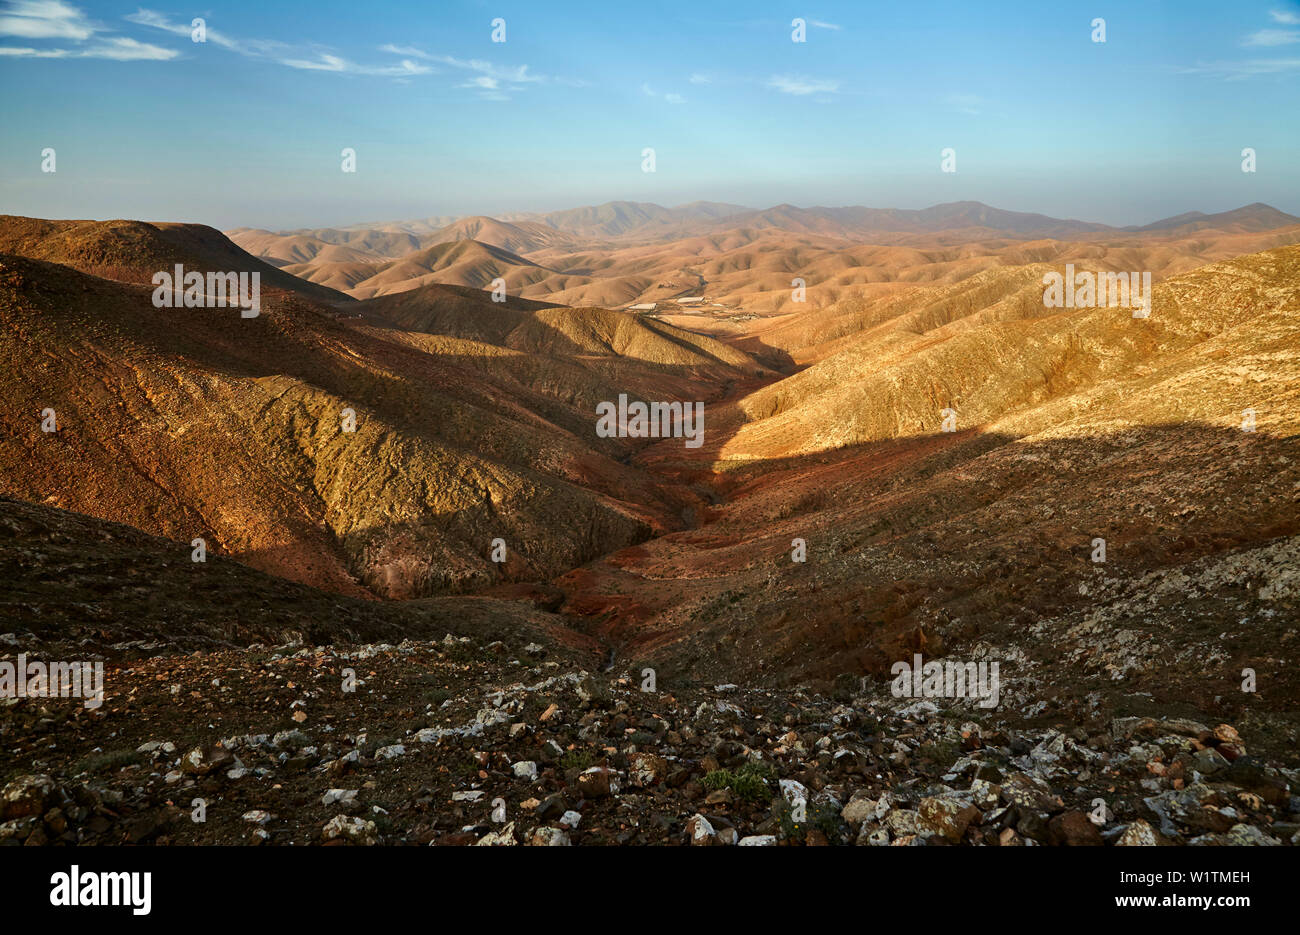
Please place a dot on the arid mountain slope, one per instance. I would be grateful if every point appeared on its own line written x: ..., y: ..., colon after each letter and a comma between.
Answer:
x: 1255, y: 217
x: 749, y: 263
x: 457, y: 262
x: 1072, y: 425
x: 1110, y: 515
x: 77, y: 584
x: 198, y: 423
x: 133, y: 251
x: 262, y: 731
x: 521, y: 237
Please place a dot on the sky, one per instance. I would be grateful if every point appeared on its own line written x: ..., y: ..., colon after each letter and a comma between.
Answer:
x: 248, y: 128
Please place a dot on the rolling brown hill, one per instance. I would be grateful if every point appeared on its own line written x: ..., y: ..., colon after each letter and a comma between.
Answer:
x: 1250, y: 218
x: 555, y: 332
x: 457, y: 262
x: 521, y: 237
x: 132, y: 251
x: 1072, y: 424
x: 920, y: 459
x: 745, y: 263
x: 197, y: 423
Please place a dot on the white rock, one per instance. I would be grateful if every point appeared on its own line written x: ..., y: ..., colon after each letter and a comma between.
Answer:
x: 700, y: 830
x: 571, y: 819
x: 547, y: 836
x: 344, y: 797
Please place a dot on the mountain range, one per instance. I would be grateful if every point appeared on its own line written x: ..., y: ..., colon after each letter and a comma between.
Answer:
x: 917, y: 456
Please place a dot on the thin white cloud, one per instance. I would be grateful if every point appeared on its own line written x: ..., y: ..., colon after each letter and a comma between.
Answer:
x: 797, y: 85
x: 515, y: 75
x: 1272, y: 37
x: 1238, y: 71
x: 492, y: 82
x: 117, y: 49
x: 820, y: 25
x: 518, y: 74
x: 19, y: 52
x: 253, y: 48
x: 409, y: 51
x: 1285, y: 17
x: 322, y: 63
x: 669, y: 98
x: 970, y: 104
x: 143, y: 17
x: 123, y: 49
x: 698, y: 78
x: 44, y: 19
x: 284, y: 54
x: 326, y: 61
x: 54, y: 19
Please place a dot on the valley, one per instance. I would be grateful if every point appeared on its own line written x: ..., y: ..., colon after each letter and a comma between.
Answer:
x: 906, y: 451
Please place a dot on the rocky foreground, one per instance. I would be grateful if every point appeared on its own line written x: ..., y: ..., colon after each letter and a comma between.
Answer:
x: 464, y: 742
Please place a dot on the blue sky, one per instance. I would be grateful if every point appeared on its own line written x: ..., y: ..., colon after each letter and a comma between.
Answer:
x: 247, y: 128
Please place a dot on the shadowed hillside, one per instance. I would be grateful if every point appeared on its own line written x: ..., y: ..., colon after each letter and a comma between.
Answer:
x: 198, y: 423
x: 132, y: 251
x: 1071, y: 425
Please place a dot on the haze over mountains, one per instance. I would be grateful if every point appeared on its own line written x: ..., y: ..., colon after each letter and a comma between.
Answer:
x: 626, y: 253
x: 627, y: 219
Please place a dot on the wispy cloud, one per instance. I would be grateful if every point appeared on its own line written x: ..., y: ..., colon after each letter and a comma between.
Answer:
x: 795, y: 84
x: 1272, y: 37
x: 409, y: 51
x: 251, y: 47
x: 698, y: 78
x: 820, y: 25
x: 323, y: 62
x: 44, y: 19
x: 1260, y: 39
x: 282, y: 53
x: 517, y: 74
x: 54, y: 19
x: 669, y: 98
x: 1238, y: 71
x: 21, y: 52
x: 117, y: 49
x: 123, y: 49
x: 327, y: 61
x: 493, y: 82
